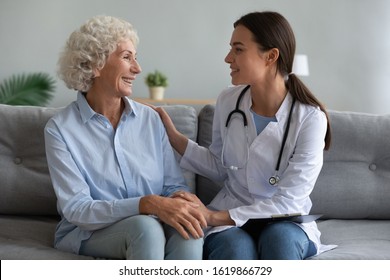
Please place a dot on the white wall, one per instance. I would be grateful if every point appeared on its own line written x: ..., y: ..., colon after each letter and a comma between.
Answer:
x: 347, y: 43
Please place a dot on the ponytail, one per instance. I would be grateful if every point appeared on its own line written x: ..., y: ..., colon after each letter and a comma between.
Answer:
x: 271, y: 30
x: 301, y: 93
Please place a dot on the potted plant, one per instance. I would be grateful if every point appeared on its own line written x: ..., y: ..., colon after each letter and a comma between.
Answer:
x: 27, y: 89
x: 157, y: 82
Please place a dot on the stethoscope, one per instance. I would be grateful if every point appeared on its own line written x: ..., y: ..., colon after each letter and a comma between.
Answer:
x: 273, y: 180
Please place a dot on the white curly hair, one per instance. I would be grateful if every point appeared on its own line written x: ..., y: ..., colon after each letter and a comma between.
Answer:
x: 88, y: 48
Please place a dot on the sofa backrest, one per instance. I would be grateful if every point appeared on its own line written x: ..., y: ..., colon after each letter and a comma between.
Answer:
x: 205, y: 188
x: 354, y: 182
x: 185, y: 119
x: 25, y: 185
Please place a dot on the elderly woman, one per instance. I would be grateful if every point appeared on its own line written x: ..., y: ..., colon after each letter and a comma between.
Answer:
x: 112, y: 167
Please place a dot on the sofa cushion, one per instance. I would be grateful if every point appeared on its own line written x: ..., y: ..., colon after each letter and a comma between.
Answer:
x: 186, y: 121
x: 30, y: 237
x: 354, y: 182
x: 356, y: 239
x: 205, y: 188
x: 25, y: 184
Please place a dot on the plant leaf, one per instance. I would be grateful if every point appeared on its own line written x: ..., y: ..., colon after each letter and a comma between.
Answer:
x: 27, y: 89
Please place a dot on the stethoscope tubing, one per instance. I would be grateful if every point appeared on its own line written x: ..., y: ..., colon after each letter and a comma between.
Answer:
x: 273, y: 180
x: 237, y: 109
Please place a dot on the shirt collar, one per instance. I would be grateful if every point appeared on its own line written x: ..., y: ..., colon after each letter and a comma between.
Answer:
x: 87, y: 112
x: 284, y: 108
x: 130, y: 106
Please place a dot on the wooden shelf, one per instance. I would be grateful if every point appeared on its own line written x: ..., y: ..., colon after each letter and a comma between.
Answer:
x: 175, y: 101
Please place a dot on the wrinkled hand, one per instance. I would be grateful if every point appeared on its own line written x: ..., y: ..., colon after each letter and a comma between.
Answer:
x: 213, y: 218
x: 192, y: 198
x: 183, y: 215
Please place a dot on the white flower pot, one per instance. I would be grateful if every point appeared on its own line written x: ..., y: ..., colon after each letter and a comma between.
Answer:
x: 156, y: 93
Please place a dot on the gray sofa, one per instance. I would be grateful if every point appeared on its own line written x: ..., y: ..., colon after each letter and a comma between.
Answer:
x: 353, y: 190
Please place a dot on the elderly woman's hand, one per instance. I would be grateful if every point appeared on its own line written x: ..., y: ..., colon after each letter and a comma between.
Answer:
x: 183, y: 215
x: 213, y: 218
x: 192, y: 198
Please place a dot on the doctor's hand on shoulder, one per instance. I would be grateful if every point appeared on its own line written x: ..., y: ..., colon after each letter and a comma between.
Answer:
x: 178, y: 140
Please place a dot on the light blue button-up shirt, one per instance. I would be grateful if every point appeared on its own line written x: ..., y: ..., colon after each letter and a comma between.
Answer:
x: 99, y: 174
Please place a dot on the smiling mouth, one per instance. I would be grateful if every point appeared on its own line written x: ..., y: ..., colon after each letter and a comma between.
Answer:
x: 128, y: 81
x: 233, y: 71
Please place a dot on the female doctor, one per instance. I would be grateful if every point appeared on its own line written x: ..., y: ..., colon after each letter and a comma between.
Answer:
x: 263, y: 173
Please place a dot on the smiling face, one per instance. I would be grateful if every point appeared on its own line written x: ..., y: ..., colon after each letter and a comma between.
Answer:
x: 120, y: 70
x: 247, y: 61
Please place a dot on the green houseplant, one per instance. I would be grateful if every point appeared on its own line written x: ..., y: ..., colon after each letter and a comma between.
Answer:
x: 27, y: 89
x: 157, y: 82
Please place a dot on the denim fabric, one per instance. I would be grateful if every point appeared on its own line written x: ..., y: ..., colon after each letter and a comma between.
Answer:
x: 141, y: 237
x: 276, y: 241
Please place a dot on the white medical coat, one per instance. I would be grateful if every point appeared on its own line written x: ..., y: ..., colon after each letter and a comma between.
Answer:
x: 247, y: 193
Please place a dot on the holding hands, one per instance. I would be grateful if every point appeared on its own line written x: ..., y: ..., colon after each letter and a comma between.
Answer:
x: 181, y: 211
x: 213, y: 218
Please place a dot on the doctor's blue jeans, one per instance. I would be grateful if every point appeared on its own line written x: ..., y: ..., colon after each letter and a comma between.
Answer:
x: 276, y: 241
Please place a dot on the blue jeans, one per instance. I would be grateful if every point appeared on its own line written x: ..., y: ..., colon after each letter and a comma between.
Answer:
x: 276, y: 241
x: 141, y: 237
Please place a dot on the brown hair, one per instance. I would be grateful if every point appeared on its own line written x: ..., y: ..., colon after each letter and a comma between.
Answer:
x: 271, y: 30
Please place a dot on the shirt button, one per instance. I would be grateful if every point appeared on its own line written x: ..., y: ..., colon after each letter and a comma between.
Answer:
x: 18, y: 160
x: 372, y: 167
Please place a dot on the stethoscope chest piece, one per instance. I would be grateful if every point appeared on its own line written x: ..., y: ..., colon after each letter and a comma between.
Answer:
x: 273, y: 180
